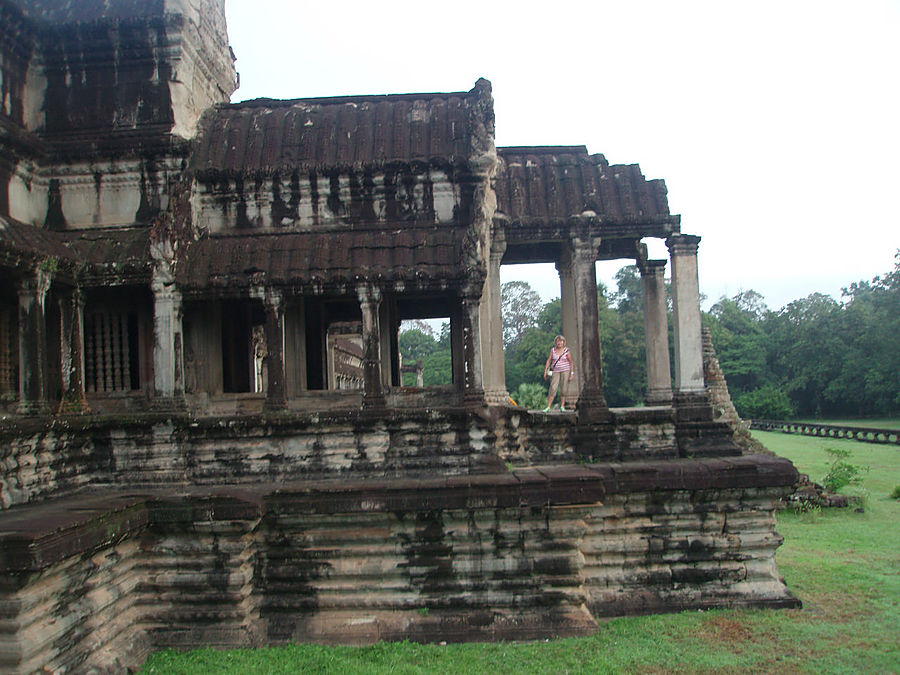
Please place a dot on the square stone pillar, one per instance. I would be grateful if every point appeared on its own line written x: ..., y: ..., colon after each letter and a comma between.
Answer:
x: 571, y: 326
x: 71, y: 331
x: 32, y: 293
x: 473, y: 383
x: 373, y: 387
x: 591, y: 406
x: 273, y: 304
x: 168, y: 347
x: 690, y: 389
x: 388, y: 330
x: 457, y: 362
x: 656, y: 333
x: 491, y: 321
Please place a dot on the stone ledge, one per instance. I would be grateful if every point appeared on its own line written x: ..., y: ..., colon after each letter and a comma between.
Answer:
x: 34, y: 536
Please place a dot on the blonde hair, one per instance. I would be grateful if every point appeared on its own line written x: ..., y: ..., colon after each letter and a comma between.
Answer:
x: 559, y: 337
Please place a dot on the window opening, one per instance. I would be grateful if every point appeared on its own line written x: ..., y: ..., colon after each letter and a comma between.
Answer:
x: 9, y: 352
x: 111, y: 355
x: 244, y: 347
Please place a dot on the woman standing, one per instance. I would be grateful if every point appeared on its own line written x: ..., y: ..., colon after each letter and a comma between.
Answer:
x: 561, y: 370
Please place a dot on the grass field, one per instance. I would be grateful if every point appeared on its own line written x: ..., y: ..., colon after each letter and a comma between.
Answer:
x: 844, y: 566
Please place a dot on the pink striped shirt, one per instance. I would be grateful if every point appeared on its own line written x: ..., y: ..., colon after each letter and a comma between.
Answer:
x: 563, y: 362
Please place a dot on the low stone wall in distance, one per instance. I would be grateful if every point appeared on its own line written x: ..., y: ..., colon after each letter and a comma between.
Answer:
x: 100, y: 578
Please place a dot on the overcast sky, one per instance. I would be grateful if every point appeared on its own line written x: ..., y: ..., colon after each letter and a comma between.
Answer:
x: 776, y: 125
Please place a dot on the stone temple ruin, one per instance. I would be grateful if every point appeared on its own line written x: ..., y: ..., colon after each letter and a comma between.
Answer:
x: 205, y: 437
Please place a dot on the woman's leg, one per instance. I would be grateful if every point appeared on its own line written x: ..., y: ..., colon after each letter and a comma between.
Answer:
x: 563, y: 388
x: 554, y: 385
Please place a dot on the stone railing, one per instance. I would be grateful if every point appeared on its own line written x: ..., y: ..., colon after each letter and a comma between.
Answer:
x: 864, y: 434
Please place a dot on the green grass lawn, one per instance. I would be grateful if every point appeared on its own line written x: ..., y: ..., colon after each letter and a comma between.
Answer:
x: 843, y: 565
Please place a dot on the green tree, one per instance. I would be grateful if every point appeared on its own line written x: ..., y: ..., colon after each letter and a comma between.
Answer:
x: 736, y: 328
x: 438, y: 368
x: 521, y: 306
x: 415, y: 344
x: 621, y: 319
x: 550, y: 317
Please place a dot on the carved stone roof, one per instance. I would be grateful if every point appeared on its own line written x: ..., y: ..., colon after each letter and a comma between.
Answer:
x: 86, y: 11
x: 266, y: 135
x: 114, y: 254
x: 555, y: 183
x: 23, y: 245
x: 421, y: 257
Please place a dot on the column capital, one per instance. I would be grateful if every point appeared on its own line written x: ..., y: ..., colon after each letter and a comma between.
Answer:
x: 652, y: 268
x: 498, y: 244
x: 683, y: 244
x: 367, y: 293
x: 37, y: 283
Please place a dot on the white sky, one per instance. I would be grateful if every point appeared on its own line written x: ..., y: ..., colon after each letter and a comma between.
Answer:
x: 775, y: 124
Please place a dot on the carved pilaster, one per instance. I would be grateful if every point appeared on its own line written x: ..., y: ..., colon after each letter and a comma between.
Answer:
x: 492, y: 323
x: 656, y: 332
x: 373, y: 388
x: 168, y: 347
x: 71, y: 330
x: 473, y: 383
x: 33, y: 344
x: 273, y: 303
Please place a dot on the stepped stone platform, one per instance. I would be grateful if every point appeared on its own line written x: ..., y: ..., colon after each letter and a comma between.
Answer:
x: 97, y: 579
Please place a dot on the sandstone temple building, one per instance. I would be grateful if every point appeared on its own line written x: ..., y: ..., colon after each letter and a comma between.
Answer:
x: 205, y: 439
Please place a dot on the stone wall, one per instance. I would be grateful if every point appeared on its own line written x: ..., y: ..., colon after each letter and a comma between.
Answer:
x: 43, y: 458
x: 97, y: 581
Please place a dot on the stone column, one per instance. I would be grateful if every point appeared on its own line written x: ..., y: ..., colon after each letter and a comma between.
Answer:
x: 273, y: 303
x: 168, y: 348
x: 387, y: 332
x: 690, y: 390
x: 71, y: 331
x: 473, y: 382
x: 591, y: 406
x: 373, y: 387
x: 656, y: 333
x: 33, y: 344
x: 571, y: 326
x: 492, y: 337
x: 458, y: 362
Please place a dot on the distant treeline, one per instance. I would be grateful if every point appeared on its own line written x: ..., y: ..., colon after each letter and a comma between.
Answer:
x: 815, y: 357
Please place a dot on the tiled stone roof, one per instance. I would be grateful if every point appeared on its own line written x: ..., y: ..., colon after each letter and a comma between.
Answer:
x: 118, y: 253
x: 85, y: 11
x: 266, y: 135
x: 555, y: 183
x: 96, y: 256
x: 416, y: 255
x: 29, y: 240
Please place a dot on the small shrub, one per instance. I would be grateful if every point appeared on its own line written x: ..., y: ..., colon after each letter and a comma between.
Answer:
x: 530, y: 395
x: 896, y: 492
x: 767, y: 402
x: 841, y: 473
